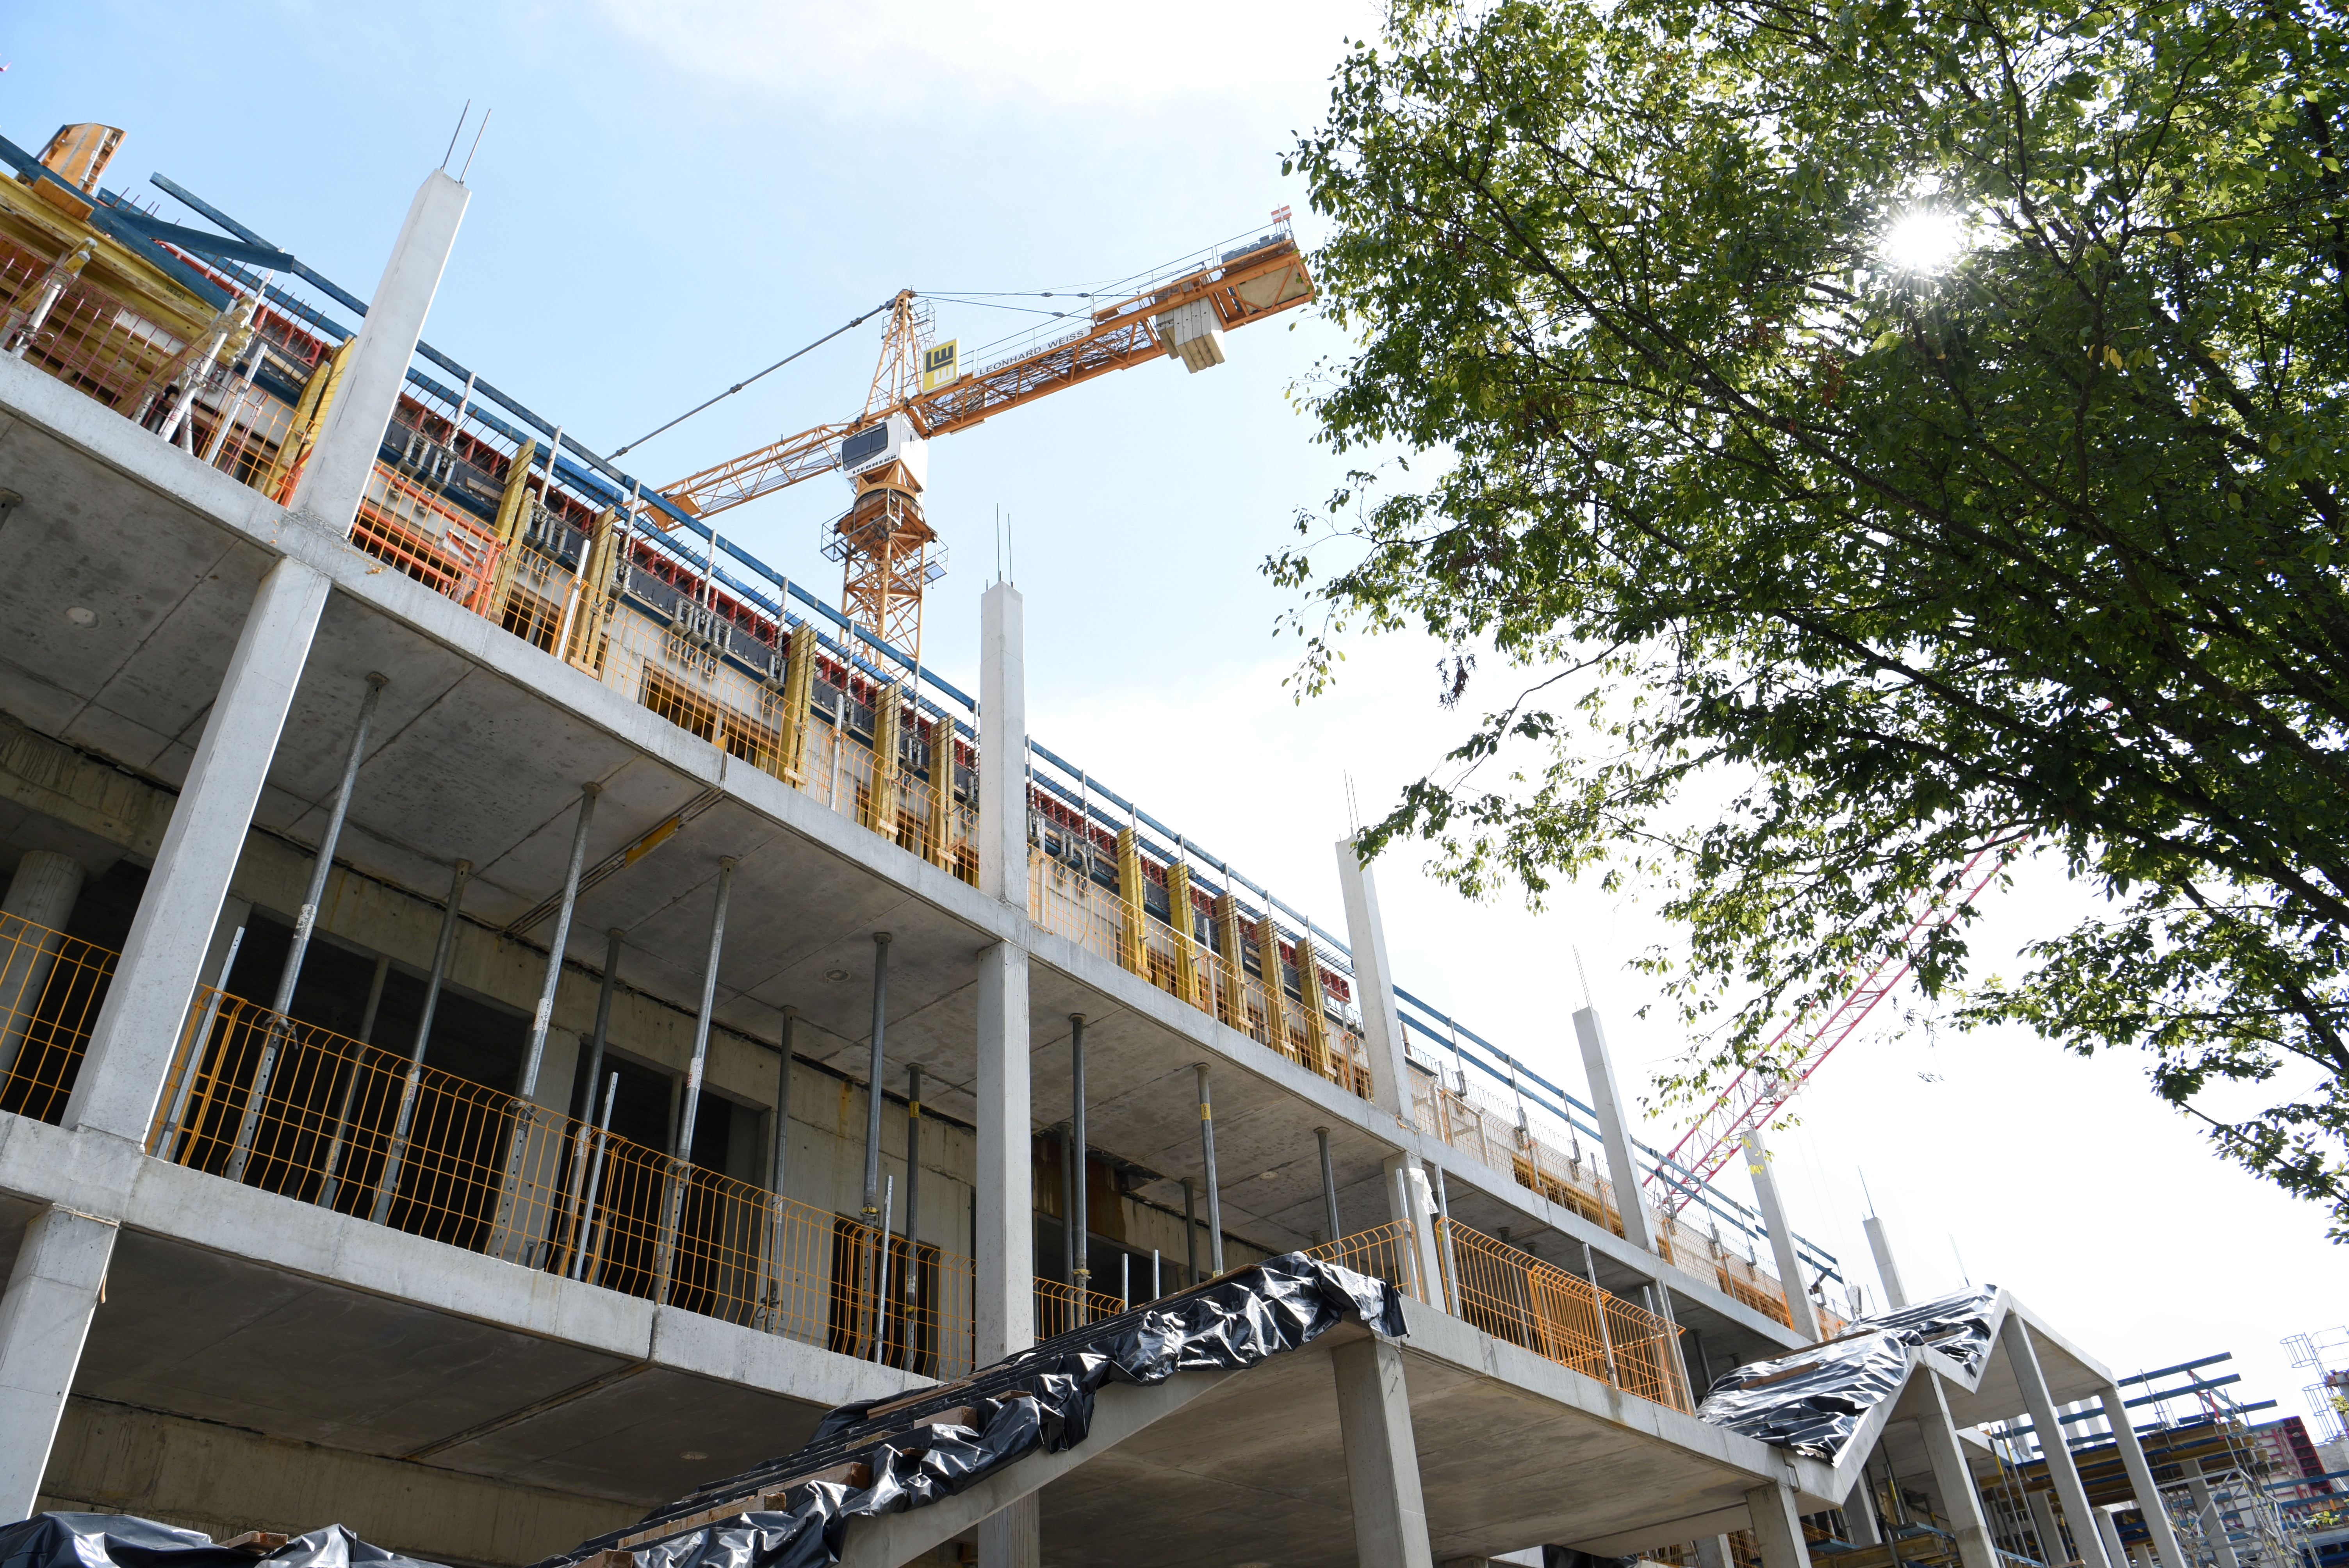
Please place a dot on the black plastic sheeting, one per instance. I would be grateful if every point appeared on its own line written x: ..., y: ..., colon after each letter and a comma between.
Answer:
x: 95, y: 1540
x: 1813, y: 1400
x: 1040, y: 1399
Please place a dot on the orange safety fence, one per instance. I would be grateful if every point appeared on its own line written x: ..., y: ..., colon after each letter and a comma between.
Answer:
x: 50, y: 988
x: 1061, y: 1308
x: 1382, y: 1251
x: 1062, y: 898
x: 1511, y: 1294
x: 301, y: 1111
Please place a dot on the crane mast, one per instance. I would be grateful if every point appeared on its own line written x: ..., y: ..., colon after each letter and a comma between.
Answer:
x: 888, y: 551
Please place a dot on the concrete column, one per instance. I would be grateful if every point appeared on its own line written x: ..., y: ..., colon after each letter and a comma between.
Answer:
x: 1608, y: 1103
x: 1382, y: 1461
x: 2214, y: 1523
x: 44, y: 1318
x: 2109, y: 1535
x: 1410, y: 1197
x: 1781, y: 1236
x: 1005, y: 1263
x: 2023, y: 1356
x: 138, y: 1029
x: 2043, y: 1522
x: 342, y: 462
x: 32, y: 919
x: 1003, y: 745
x: 1374, y: 985
x: 1859, y: 1515
x: 1013, y: 1537
x: 1895, y: 1297
x: 1712, y: 1551
x: 2140, y: 1474
x: 1006, y: 1308
x: 1777, y: 1528
x: 1960, y: 1501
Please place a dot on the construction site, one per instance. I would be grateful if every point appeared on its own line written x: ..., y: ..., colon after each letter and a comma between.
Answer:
x: 531, y: 1036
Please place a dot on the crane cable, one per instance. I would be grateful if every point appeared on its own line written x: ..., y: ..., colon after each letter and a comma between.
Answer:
x: 771, y: 369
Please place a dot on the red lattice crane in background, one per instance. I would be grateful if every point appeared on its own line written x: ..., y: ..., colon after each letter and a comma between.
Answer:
x: 1759, y: 1093
x: 920, y: 389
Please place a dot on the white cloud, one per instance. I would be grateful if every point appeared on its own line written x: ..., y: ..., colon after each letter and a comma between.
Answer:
x: 929, y: 54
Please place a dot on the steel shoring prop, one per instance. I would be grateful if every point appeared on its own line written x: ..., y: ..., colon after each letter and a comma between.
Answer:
x: 1207, y: 1153
x: 387, y: 1184
x: 771, y: 1272
x: 303, y: 923
x: 596, y: 1180
x: 329, y: 1183
x: 576, y: 1214
x: 680, y: 1163
x: 872, y: 1210
x: 1081, y: 1271
x: 912, y: 1281
x: 523, y: 1108
x: 168, y: 1149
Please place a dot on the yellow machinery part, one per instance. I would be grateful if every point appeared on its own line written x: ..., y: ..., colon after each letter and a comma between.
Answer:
x: 513, y: 508
x: 1186, y: 952
x: 1231, y: 995
x: 309, y: 415
x: 1131, y: 953
x: 1317, y: 1018
x: 1276, y: 994
x: 792, y: 710
x: 888, y: 730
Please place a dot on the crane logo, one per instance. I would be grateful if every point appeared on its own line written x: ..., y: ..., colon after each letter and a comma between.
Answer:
x: 941, y: 365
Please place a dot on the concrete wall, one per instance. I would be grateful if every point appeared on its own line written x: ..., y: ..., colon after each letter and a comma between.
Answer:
x: 223, y: 1481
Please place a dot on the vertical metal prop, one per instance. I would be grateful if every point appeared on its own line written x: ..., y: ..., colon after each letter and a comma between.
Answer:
x: 1068, y: 1229
x: 680, y: 1163
x: 1215, y: 1199
x: 872, y: 1080
x: 913, y: 1286
x: 779, y: 1151
x: 387, y: 1184
x: 557, y: 942
x: 881, y: 1275
x: 1080, y: 1223
x: 596, y: 1180
x: 334, y: 1162
x: 303, y: 923
x: 169, y: 1148
x: 1599, y: 1303
x: 1329, y: 1184
x: 571, y: 1208
x: 1417, y: 1285
x: 1190, y: 1233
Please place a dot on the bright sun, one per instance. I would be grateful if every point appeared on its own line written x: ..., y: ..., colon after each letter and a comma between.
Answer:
x: 1923, y: 239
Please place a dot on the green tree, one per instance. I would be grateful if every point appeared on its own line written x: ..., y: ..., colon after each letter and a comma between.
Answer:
x: 2041, y: 550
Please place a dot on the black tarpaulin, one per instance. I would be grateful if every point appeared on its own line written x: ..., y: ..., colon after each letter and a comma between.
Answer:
x: 120, y: 1540
x: 1813, y: 1401
x: 886, y: 1456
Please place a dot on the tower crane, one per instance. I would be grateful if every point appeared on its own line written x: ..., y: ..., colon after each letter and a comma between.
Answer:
x: 1757, y: 1094
x: 887, y: 550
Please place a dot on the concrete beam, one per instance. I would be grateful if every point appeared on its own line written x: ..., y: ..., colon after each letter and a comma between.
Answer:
x: 1003, y: 745
x: 1608, y: 1102
x: 1382, y: 1462
x: 2140, y: 1474
x: 1781, y: 1236
x: 342, y: 463
x: 1896, y: 1296
x: 45, y: 1315
x: 1777, y: 1528
x: 1006, y: 1264
x: 1120, y: 1410
x: 1953, y: 1479
x: 2023, y: 1359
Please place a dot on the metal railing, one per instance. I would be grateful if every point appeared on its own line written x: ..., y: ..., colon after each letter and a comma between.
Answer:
x: 297, y: 1110
x: 1511, y: 1294
x: 50, y: 988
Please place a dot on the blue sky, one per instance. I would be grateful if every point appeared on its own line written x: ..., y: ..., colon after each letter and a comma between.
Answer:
x: 672, y: 194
